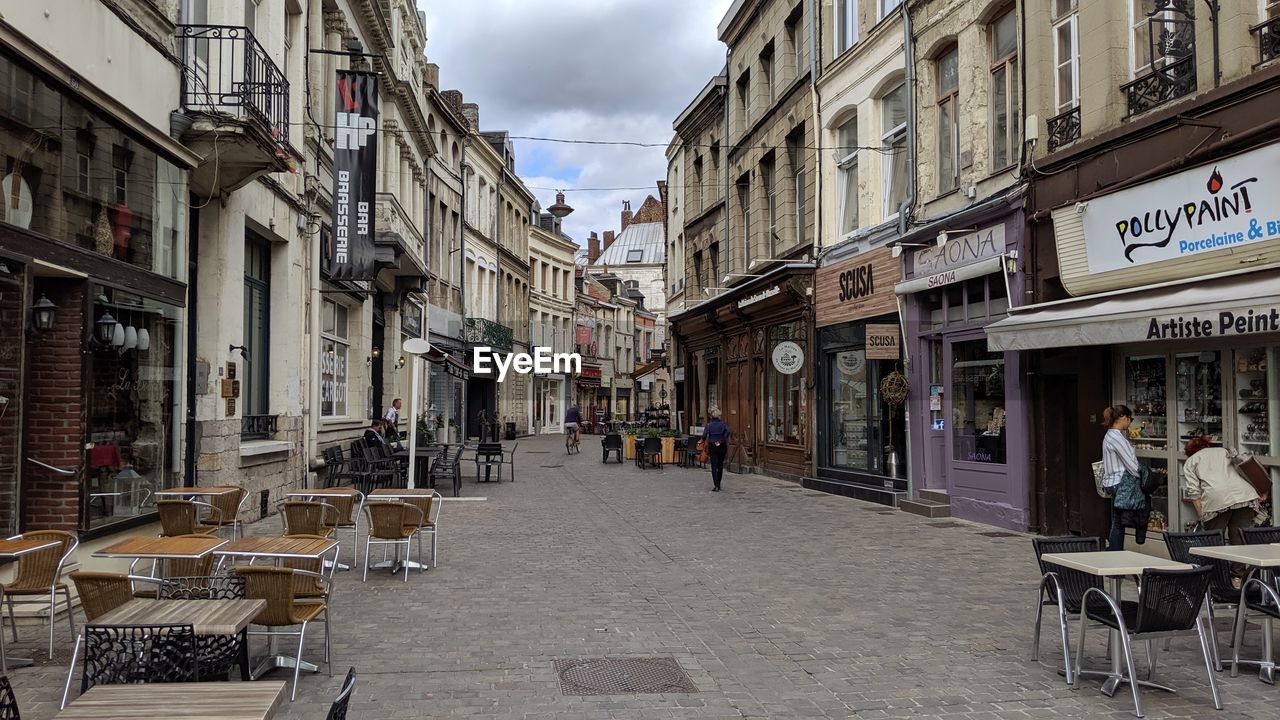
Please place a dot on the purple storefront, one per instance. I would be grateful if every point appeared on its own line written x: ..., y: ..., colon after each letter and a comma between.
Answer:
x: 967, y: 410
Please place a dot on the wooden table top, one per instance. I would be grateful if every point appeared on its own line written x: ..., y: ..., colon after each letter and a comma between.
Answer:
x: 210, y: 617
x: 153, y: 547
x: 257, y: 700
x: 392, y: 493
x: 323, y: 492
x: 21, y: 546
x: 191, y: 491
x: 278, y: 547
x: 1110, y: 564
x: 1256, y: 555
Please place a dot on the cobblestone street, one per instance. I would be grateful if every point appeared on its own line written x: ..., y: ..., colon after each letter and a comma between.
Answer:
x: 778, y: 602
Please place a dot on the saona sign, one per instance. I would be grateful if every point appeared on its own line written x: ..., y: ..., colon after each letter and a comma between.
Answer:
x: 1207, y: 208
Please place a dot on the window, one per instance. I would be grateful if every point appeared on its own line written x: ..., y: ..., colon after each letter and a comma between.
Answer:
x: 795, y: 157
x: 977, y: 403
x: 848, y: 167
x: 784, y: 404
x: 1139, y: 37
x: 948, y: 67
x: 888, y: 6
x: 766, y: 72
x: 744, y: 226
x: 744, y: 98
x: 82, y: 173
x: 795, y: 46
x: 696, y: 202
x: 846, y: 24
x: 1270, y: 9
x: 334, y: 349
x: 257, y: 314
x: 697, y: 268
x: 1066, y: 55
x: 634, y: 256
x: 770, y: 203
x: 894, y: 140
x: 1004, y: 90
x: 715, y: 261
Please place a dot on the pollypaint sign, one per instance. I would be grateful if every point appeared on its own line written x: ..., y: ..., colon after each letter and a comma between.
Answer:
x: 355, y: 164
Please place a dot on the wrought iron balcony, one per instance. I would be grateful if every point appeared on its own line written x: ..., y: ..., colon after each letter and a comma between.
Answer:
x: 1161, y: 85
x: 257, y: 427
x: 1268, y: 34
x: 1064, y: 128
x: 227, y: 71
x: 481, y: 331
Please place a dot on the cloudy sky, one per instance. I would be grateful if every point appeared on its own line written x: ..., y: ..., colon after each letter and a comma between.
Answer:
x: 579, y: 69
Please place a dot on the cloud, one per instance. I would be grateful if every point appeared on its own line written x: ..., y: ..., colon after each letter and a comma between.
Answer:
x: 585, y: 70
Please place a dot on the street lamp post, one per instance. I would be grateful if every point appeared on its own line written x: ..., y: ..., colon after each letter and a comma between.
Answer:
x: 417, y: 347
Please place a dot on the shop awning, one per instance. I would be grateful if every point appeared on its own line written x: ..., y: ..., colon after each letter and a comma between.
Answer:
x: 964, y: 272
x: 1225, y: 306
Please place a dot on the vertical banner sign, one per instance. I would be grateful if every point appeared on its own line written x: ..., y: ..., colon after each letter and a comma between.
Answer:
x: 355, y: 164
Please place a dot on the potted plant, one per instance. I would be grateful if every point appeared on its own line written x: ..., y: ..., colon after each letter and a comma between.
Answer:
x: 668, y: 445
x: 453, y: 431
x: 426, y: 431
x: 629, y: 444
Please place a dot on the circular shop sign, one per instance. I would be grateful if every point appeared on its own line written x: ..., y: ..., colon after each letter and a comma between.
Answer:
x: 849, y: 363
x: 788, y: 357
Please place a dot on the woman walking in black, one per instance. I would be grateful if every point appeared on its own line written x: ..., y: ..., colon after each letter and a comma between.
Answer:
x: 716, y: 436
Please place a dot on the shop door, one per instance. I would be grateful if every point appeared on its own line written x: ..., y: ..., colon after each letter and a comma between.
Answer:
x: 935, y: 428
x: 13, y: 319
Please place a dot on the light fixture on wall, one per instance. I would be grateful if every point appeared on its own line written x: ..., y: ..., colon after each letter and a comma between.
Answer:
x: 104, y: 328
x: 945, y: 235
x: 42, y: 313
x: 896, y: 249
x: 401, y: 362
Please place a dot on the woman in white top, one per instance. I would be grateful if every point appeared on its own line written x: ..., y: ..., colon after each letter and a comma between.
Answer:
x: 1221, y: 496
x: 1118, y: 458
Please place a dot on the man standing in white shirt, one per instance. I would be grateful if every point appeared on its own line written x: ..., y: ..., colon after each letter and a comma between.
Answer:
x: 392, y: 416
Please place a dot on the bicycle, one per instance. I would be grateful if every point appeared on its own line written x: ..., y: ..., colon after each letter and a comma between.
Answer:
x: 571, y: 444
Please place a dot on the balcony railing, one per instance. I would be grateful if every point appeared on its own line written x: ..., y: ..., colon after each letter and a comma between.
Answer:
x: 1064, y: 129
x: 257, y: 427
x: 481, y: 331
x: 227, y: 71
x: 1161, y: 85
x: 1268, y: 34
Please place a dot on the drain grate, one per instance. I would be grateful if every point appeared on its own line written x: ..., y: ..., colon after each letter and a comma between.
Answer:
x: 945, y: 524
x: 622, y: 676
x: 998, y: 534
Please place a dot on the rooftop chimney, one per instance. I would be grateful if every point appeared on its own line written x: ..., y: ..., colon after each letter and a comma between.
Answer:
x: 431, y: 75
x: 593, y: 248
x: 453, y: 98
x: 626, y: 214
x: 608, y: 238
x: 471, y: 112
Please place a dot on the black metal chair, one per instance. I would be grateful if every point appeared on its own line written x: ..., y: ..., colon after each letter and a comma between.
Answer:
x: 1268, y: 535
x: 1168, y: 605
x: 1222, y: 593
x: 488, y: 455
x: 8, y: 703
x: 121, y: 654
x: 1062, y: 588
x: 509, y: 459
x: 611, y: 443
x: 447, y: 467
x: 338, y: 710
x: 1265, y: 604
x: 211, y: 587
x: 215, y: 654
x: 649, y: 454
x: 695, y: 459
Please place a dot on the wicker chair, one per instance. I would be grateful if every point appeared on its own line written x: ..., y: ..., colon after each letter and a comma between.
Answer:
x: 118, y: 654
x: 430, y: 507
x: 305, y: 584
x: 346, y: 518
x: 303, y: 517
x: 9, y: 703
x: 338, y: 710
x: 182, y: 517
x: 99, y: 593
x: 38, y: 575
x: 1168, y: 605
x: 229, y: 506
x: 276, y: 586
x: 392, y: 523
x: 1062, y: 588
x: 611, y: 443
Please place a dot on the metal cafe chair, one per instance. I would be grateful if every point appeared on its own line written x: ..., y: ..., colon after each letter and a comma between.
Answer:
x: 338, y: 710
x: 276, y: 585
x: 1168, y: 605
x: 38, y: 576
x: 395, y: 524
x: 1223, y: 594
x: 183, y: 517
x: 99, y: 593
x: 611, y: 444
x: 1062, y: 588
x: 1266, y: 606
x: 124, y: 654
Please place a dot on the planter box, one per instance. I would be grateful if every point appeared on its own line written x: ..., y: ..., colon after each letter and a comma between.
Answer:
x: 628, y: 447
x: 668, y: 450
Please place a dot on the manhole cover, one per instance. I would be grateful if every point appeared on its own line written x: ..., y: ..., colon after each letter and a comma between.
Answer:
x: 622, y: 676
x: 944, y: 524
x: 998, y: 534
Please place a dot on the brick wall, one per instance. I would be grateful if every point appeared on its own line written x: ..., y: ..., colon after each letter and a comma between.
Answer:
x: 55, y: 412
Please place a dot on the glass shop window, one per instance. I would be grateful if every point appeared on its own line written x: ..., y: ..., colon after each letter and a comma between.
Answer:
x: 977, y: 403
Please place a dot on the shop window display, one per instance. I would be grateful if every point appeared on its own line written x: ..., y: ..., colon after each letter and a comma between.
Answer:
x: 785, y: 394
x: 1257, y: 384
x: 133, y: 418
x: 977, y: 403
x: 849, y: 427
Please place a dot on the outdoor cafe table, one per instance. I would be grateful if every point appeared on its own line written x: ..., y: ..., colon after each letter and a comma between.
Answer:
x: 155, y: 547
x: 1114, y: 566
x: 278, y: 548
x: 1265, y: 558
x: 14, y: 548
x: 208, y: 617
x: 178, y: 701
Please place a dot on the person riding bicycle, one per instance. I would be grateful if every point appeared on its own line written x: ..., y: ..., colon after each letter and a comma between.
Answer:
x: 573, y: 421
